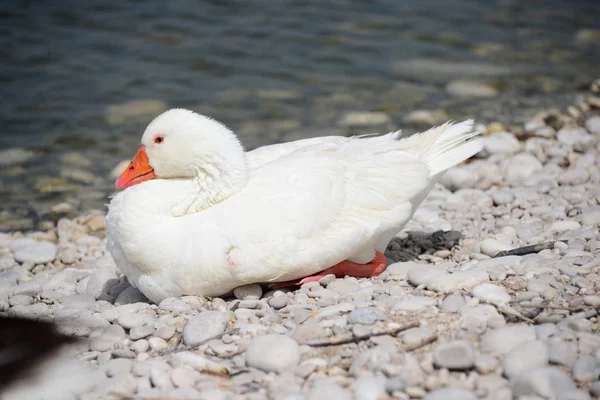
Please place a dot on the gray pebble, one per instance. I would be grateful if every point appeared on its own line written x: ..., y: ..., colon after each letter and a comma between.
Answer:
x: 157, y: 344
x: 484, y: 363
x: 344, y: 286
x: 140, y: 332
x: 165, y: 332
x: 107, y: 338
x: 160, y: 376
x: 458, y: 354
x: 140, y: 346
x: 545, y: 331
x: 204, y: 326
x: 504, y: 339
x: 83, y: 300
x: 175, y: 305
x: 450, y: 394
x: 502, y: 197
x: 595, y: 389
x: 273, y: 353
x: 130, y: 320
x: 453, y: 302
x: 118, y: 367
x: 545, y: 383
x: 366, y: 316
x: 586, y: 369
x: 369, y: 388
x: 251, y: 291
x: 29, y: 288
x: 278, y: 302
x: 77, y: 322
x: 414, y: 336
x: 562, y: 352
x: 327, y: 279
x: 37, y: 253
x: 421, y: 274
x: 413, y: 303
x: 525, y: 357
x: 323, y: 391
x: 490, y: 293
x: 20, y: 300
x: 184, y: 377
x: 129, y: 296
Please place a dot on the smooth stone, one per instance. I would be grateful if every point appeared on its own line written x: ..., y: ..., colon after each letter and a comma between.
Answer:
x: 400, y: 269
x: 83, y: 300
x: 29, y: 288
x: 344, y: 286
x: 484, y: 363
x: 328, y: 390
x: 455, y: 355
x: 452, y: 302
x: 413, y: 303
x: 278, y: 302
x: 422, y: 274
x: 79, y: 323
x: 561, y: 226
x: 491, y: 247
x: 184, y: 377
x: 586, y: 369
x: 369, y: 388
x: 20, y: 300
x: 545, y: 331
x: 140, y: 346
x: 450, y: 394
x: 158, y: 344
x: 593, y: 124
x: 273, y: 353
x: 521, y: 166
x: 525, y: 357
x: 107, y: 338
x: 501, y: 143
x: 130, y: 320
x: 38, y: 253
x: 502, y: 197
x: 129, y: 296
x: 504, y: 339
x: 204, y: 326
x: 545, y: 383
x: 562, y: 352
x: 366, y: 316
x: 118, y: 367
x: 490, y: 293
x: 460, y: 178
x: 415, y: 336
x: 576, y: 138
x: 140, y: 332
x: 252, y: 290
x: 175, y: 305
x: 459, y: 280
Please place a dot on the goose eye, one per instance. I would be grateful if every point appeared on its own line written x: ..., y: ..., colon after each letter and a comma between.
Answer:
x: 159, y: 139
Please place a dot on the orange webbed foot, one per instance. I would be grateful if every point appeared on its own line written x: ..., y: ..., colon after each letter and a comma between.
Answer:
x: 345, y: 268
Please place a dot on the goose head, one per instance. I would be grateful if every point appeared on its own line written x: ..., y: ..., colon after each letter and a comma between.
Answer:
x: 180, y: 144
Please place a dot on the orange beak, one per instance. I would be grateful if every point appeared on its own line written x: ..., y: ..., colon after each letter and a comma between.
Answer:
x: 138, y: 171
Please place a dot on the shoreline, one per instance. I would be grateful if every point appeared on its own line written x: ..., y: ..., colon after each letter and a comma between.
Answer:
x: 490, y: 328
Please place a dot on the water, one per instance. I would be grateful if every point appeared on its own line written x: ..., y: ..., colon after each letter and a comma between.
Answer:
x: 270, y: 70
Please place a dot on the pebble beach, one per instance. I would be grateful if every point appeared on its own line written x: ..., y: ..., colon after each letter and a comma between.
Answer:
x: 492, y: 292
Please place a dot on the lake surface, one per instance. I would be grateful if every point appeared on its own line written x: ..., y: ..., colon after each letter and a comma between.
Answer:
x: 273, y: 71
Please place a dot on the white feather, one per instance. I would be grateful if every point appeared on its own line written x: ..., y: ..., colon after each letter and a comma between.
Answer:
x: 305, y: 206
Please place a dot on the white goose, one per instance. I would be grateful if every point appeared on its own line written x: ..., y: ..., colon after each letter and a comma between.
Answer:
x: 200, y: 216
